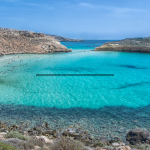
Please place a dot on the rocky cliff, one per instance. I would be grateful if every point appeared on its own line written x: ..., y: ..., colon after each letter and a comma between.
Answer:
x: 63, y: 39
x: 21, y: 42
x: 141, y: 45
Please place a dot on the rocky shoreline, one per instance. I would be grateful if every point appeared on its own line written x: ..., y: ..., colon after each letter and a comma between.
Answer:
x: 138, y: 45
x: 27, y: 42
x: 14, y: 135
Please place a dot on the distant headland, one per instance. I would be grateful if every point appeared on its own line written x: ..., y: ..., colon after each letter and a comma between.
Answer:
x: 27, y: 42
x: 141, y: 45
x: 63, y: 39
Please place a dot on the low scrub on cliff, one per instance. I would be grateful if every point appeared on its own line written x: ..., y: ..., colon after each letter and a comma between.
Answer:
x: 140, y: 147
x: 17, y: 135
x: 67, y: 144
x: 4, y: 146
x: 25, y: 145
x: 98, y: 144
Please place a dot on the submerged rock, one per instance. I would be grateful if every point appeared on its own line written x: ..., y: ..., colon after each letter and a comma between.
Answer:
x: 137, y: 136
x: 1, y: 54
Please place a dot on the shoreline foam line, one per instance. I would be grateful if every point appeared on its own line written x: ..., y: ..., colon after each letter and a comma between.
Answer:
x: 74, y: 74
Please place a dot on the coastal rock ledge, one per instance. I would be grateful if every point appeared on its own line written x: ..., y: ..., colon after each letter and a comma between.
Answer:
x: 27, y: 42
x: 141, y: 45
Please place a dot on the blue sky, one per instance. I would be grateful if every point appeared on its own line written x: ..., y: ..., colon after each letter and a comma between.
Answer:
x: 82, y: 19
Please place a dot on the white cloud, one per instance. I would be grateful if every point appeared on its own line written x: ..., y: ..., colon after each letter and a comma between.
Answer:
x: 86, y: 5
x: 121, y: 9
x: 38, y: 5
x: 117, y: 10
x: 44, y: 6
x: 11, y: 1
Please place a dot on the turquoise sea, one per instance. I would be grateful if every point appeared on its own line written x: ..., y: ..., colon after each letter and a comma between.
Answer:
x: 104, y: 106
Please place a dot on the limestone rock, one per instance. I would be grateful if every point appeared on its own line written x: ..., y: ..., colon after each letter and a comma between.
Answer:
x: 104, y: 148
x: 71, y: 130
x: 141, y: 45
x: 2, y: 135
x: 115, y: 144
x: 37, y: 147
x: 43, y: 138
x: 123, y: 148
x: 22, y: 42
x: 88, y: 148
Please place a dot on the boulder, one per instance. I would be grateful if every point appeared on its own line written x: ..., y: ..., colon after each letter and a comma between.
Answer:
x: 104, y: 148
x: 2, y: 135
x: 116, y: 144
x: 1, y: 54
x: 37, y: 147
x: 71, y: 130
x: 123, y: 148
x: 31, y: 132
x: 88, y: 148
x: 137, y: 136
x: 43, y: 138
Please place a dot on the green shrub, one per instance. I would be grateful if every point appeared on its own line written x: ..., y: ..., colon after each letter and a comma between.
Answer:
x: 30, y: 144
x: 4, y: 146
x: 37, y: 142
x: 15, y: 134
x: 141, y: 147
x: 66, y: 144
x: 98, y: 144
x: 42, y: 149
x: 26, y: 146
x: 145, y: 147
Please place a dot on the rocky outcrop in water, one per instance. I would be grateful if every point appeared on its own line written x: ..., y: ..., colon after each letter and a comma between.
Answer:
x: 138, y: 136
x: 21, y: 42
x: 1, y: 54
x: 141, y: 45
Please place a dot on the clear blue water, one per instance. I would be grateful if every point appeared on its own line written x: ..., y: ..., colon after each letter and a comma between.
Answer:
x: 123, y: 98
x: 86, y: 45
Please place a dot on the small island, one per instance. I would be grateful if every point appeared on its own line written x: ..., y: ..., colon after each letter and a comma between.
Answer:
x: 141, y: 45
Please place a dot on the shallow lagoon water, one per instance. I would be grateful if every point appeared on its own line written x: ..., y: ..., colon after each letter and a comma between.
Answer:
x: 103, y: 106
